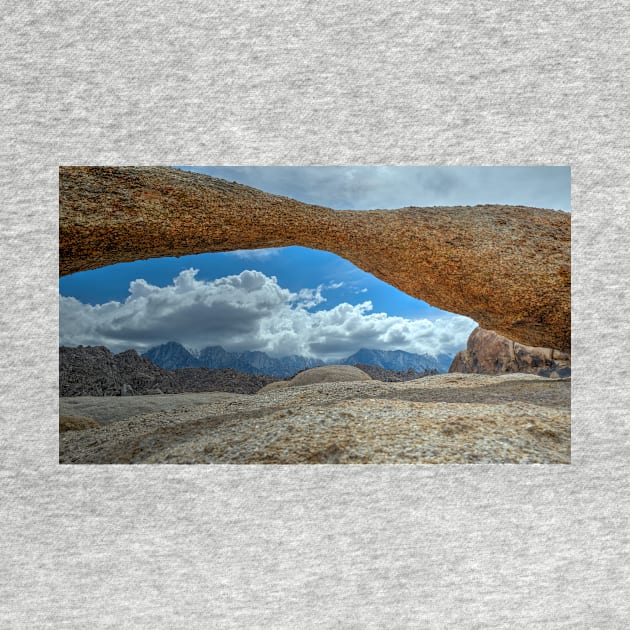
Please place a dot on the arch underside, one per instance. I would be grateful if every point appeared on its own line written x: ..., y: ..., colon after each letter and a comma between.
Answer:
x: 506, y: 267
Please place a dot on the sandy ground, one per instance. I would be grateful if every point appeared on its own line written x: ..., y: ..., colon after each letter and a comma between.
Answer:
x: 450, y: 418
x: 108, y: 409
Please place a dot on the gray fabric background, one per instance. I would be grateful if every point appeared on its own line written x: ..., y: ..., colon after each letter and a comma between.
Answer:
x: 323, y: 546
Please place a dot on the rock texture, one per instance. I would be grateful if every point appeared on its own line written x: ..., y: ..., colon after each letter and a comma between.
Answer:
x: 108, y: 409
x: 227, y: 380
x: 95, y: 371
x: 490, y: 353
x: 444, y: 419
x: 506, y: 267
x: 77, y: 423
x: 393, y: 376
x: 326, y: 374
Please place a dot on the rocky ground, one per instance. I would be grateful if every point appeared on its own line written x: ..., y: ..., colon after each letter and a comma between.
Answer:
x: 443, y: 419
x: 96, y: 371
x: 393, y: 376
x: 108, y: 409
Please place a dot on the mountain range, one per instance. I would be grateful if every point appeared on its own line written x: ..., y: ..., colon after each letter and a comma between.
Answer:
x: 96, y: 371
x: 400, y: 360
x: 173, y: 355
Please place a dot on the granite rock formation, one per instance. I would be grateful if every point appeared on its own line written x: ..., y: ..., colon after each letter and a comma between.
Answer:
x: 96, y: 371
x: 490, y: 353
x: 224, y: 380
x: 507, y: 267
x: 109, y: 409
x: 443, y: 419
x: 325, y: 374
x: 393, y: 376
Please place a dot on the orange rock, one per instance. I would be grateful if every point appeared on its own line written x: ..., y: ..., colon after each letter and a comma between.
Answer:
x: 490, y: 353
x: 504, y: 266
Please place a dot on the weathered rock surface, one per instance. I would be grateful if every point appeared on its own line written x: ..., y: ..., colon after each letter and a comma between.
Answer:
x: 77, y: 423
x: 489, y: 353
x: 226, y: 380
x: 507, y: 267
x: 127, y: 390
x: 393, y: 376
x: 325, y: 374
x: 96, y: 371
x: 108, y: 409
x: 449, y: 418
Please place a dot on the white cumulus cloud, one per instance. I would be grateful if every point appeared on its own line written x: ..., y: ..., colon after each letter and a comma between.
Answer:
x: 250, y: 311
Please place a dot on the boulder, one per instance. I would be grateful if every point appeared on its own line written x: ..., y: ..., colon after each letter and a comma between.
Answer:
x: 489, y: 353
x: 95, y: 371
x: 325, y: 374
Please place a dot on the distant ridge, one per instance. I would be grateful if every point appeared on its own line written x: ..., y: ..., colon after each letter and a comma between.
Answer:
x: 96, y: 371
x: 173, y: 355
x: 393, y: 376
x: 400, y: 360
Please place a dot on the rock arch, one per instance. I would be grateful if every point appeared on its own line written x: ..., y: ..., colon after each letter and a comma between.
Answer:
x: 507, y: 267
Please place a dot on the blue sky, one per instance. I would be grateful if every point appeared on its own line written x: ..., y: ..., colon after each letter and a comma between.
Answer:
x: 310, y: 289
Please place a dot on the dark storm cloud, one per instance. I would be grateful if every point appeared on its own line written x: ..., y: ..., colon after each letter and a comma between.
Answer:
x: 366, y: 187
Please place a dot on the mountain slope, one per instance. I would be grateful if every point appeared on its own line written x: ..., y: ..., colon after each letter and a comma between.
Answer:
x: 262, y: 363
x: 95, y: 371
x: 398, y: 360
x: 173, y: 355
x: 393, y: 376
